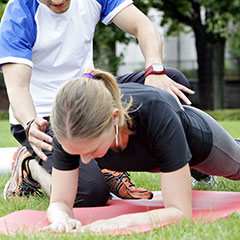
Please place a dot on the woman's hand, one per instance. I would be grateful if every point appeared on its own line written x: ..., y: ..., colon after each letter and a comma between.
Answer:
x: 61, y: 217
x: 38, y: 139
x: 64, y: 224
x: 176, y: 190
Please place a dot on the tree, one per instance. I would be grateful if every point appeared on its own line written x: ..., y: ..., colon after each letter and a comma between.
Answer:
x: 2, y: 6
x: 210, y: 21
x: 105, y: 40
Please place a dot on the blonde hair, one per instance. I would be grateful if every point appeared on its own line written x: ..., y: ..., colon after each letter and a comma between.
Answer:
x: 83, y: 106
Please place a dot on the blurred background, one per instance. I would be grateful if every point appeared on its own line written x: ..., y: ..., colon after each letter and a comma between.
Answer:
x: 201, y: 38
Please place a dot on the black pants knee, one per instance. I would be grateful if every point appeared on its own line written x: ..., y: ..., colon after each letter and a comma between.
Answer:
x: 92, y: 187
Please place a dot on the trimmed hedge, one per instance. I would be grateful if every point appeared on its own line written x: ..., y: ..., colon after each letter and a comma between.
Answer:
x: 226, y: 114
x: 4, y: 115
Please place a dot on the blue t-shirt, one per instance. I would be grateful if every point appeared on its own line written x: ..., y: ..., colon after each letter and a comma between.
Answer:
x: 58, y: 47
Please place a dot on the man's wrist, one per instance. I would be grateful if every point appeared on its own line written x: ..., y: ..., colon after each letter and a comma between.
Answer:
x: 155, y: 68
x: 27, y: 127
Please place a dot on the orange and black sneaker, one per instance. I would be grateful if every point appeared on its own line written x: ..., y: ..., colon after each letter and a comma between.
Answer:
x: 120, y: 185
x: 21, y: 182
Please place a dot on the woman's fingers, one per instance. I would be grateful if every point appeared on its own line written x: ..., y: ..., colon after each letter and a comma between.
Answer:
x: 64, y: 226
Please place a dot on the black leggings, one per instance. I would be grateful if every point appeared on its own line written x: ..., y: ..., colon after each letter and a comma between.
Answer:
x: 92, y: 187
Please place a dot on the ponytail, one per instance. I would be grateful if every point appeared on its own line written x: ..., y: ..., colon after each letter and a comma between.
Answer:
x: 83, y: 107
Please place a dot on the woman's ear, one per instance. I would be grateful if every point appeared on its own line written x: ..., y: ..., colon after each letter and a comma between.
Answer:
x: 115, y: 116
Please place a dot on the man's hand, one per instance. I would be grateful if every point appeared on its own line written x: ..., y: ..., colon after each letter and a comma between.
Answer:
x: 165, y: 83
x: 38, y: 139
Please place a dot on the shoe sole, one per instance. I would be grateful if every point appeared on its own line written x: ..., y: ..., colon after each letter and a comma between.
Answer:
x: 5, y: 194
x: 13, y: 176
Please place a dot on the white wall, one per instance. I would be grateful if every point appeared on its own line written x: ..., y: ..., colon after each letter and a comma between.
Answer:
x: 174, y: 49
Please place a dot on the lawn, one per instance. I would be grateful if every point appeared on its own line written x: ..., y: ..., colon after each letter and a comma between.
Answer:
x: 221, y: 229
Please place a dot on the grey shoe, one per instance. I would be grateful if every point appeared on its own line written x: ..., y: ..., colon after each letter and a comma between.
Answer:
x: 237, y: 140
x: 208, y: 181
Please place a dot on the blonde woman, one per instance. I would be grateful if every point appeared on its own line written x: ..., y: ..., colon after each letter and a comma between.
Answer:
x: 134, y: 128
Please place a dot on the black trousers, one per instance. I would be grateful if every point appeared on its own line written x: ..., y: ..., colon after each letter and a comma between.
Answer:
x: 92, y: 187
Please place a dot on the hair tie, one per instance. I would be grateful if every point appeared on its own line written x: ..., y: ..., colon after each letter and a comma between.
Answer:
x: 88, y: 75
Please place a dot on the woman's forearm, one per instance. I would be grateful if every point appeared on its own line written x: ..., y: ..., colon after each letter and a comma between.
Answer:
x: 158, y: 216
x: 154, y: 217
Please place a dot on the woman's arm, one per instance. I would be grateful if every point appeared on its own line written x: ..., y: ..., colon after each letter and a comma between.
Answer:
x: 59, y: 213
x: 177, y: 196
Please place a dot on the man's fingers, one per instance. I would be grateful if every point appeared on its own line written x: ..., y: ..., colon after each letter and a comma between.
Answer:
x: 177, y: 99
x: 37, y: 134
x: 184, y: 89
x: 40, y: 153
x: 167, y: 84
x: 39, y: 139
x: 182, y: 96
x: 39, y: 143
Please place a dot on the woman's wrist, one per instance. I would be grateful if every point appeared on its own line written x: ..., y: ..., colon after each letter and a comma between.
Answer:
x: 58, y: 210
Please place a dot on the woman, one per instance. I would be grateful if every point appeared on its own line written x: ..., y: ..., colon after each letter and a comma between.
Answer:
x: 134, y: 128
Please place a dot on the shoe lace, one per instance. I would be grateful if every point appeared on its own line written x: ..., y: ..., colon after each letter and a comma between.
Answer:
x: 126, y: 176
x: 27, y: 188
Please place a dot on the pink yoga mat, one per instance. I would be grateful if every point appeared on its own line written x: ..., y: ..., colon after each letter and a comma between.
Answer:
x: 209, y: 205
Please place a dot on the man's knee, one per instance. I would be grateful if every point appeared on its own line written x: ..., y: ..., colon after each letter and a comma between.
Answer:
x: 92, y: 194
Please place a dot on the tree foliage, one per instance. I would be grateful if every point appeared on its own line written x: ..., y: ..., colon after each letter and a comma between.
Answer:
x: 105, y: 40
x: 213, y: 22
x: 2, y: 6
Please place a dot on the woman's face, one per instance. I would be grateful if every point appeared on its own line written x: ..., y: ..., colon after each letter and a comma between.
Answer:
x: 57, y: 6
x: 89, y: 149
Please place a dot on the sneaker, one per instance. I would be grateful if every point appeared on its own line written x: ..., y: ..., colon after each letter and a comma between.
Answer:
x: 237, y: 140
x: 21, y: 183
x: 120, y: 185
x: 208, y: 181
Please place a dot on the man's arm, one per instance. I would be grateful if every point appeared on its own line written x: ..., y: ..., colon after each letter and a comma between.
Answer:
x: 136, y: 23
x: 17, y: 80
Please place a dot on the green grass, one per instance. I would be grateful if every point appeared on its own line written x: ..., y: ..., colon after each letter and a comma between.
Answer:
x: 6, y: 139
x: 221, y: 229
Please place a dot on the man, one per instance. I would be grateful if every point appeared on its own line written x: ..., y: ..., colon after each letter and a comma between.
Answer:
x: 44, y: 43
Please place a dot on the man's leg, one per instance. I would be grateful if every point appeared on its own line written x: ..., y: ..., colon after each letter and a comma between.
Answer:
x: 92, y: 189
x: 40, y: 175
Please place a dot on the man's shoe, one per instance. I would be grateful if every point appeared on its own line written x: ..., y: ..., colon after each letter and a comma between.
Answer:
x: 237, y: 140
x: 208, y: 181
x: 21, y: 183
x: 121, y: 186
